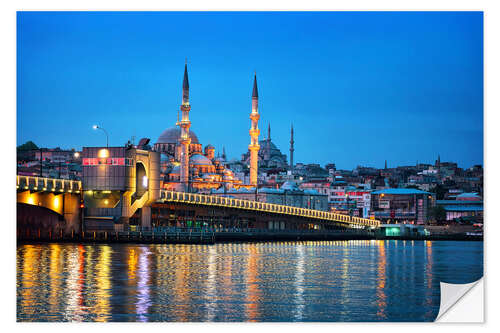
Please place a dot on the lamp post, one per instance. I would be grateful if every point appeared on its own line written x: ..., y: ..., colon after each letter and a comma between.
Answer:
x: 95, y: 127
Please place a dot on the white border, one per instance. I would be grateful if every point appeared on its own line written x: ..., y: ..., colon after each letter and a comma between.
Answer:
x: 492, y: 109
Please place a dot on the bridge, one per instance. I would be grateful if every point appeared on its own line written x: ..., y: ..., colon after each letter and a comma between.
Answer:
x: 48, y: 204
x: 268, y: 208
x: 59, y: 205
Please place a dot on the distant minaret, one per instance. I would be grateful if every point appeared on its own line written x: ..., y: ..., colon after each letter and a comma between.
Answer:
x: 254, y: 147
x: 385, y: 167
x: 267, y: 155
x: 223, y: 153
x: 185, y: 140
x: 291, y: 149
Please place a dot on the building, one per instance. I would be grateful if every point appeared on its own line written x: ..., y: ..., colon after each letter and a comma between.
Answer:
x: 402, y: 205
x: 288, y: 194
x: 466, y: 207
x: 119, y: 182
x: 350, y: 200
x: 402, y: 230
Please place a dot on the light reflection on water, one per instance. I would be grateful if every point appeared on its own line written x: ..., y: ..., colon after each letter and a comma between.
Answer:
x: 282, y: 281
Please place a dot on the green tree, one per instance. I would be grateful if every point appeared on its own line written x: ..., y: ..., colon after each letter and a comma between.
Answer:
x: 439, y: 190
x: 438, y: 213
x: 30, y: 145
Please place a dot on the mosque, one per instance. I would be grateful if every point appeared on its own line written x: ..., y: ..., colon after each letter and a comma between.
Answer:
x: 270, y: 157
x: 186, y: 166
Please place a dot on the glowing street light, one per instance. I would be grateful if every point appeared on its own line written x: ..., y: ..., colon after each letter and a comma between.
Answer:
x: 95, y: 127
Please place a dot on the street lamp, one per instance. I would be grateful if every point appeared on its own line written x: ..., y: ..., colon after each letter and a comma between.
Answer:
x: 95, y: 127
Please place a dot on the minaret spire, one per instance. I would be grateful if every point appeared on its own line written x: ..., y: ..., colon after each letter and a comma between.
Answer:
x: 185, y: 139
x: 291, y: 149
x: 185, y: 86
x: 255, y: 92
x: 269, y: 131
x: 254, y: 147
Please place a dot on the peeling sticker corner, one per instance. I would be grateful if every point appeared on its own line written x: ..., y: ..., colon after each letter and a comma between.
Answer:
x: 461, y: 302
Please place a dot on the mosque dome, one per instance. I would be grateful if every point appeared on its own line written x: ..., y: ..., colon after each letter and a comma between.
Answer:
x: 172, y: 135
x: 199, y: 159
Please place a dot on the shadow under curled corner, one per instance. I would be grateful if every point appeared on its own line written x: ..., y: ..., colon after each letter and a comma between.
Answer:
x: 461, y: 302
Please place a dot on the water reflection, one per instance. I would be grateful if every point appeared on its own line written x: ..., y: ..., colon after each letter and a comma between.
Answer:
x: 284, y: 281
x: 103, y: 282
x: 143, y: 286
x: 252, y: 292
x: 299, y: 283
x: 381, y: 277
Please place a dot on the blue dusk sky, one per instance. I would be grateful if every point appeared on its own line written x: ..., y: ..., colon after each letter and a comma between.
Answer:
x: 359, y: 87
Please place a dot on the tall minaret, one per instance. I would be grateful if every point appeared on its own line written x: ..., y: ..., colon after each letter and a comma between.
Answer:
x: 254, y: 147
x: 291, y: 149
x: 185, y: 140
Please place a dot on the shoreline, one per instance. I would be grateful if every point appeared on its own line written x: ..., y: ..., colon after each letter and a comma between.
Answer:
x: 231, y: 237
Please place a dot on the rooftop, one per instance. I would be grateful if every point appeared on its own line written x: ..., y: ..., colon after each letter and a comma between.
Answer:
x: 400, y: 191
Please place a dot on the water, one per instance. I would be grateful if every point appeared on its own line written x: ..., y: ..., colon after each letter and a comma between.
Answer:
x: 281, y: 281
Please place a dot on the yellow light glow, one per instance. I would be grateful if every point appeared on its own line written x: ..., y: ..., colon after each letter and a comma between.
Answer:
x: 106, y: 201
x: 31, y: 201
x: 103, y: 153
x: 56, y: 202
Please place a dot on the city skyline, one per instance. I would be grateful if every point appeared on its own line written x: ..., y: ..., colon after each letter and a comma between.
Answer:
x: 356, y: 71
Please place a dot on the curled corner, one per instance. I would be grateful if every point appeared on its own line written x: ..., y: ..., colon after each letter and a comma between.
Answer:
x: 457, y: 306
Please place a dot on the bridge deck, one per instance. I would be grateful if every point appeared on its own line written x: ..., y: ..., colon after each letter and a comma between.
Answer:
x: 42, y: 184
x: 213, y: 200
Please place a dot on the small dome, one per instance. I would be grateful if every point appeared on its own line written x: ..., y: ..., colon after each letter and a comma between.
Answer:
x: 176, y: 170
x: 199, y: 159
x: 290, y: 185
x: 172, y: 135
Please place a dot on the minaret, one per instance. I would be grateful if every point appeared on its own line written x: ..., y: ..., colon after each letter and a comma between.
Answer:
x: 185, y: 140
x: 223, y: 153
x: 291, y: 149
x: 254, y: 147
x: 385, y: 166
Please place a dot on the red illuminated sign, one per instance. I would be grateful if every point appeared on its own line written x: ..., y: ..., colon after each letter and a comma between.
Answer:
x: 107, y: 161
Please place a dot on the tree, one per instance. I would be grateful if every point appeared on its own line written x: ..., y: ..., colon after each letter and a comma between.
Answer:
x: 30, y: 145
x: 438, y: 213
x: 439, y: 190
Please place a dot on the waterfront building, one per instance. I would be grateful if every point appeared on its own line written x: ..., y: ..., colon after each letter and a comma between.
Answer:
x: 351, y: 200
x: 402, y: 205
x: 465, y: 207
x: 402, y: 230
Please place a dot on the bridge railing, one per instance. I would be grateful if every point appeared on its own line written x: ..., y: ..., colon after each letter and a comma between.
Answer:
x: 43, y: 184
x: 194, y: 198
